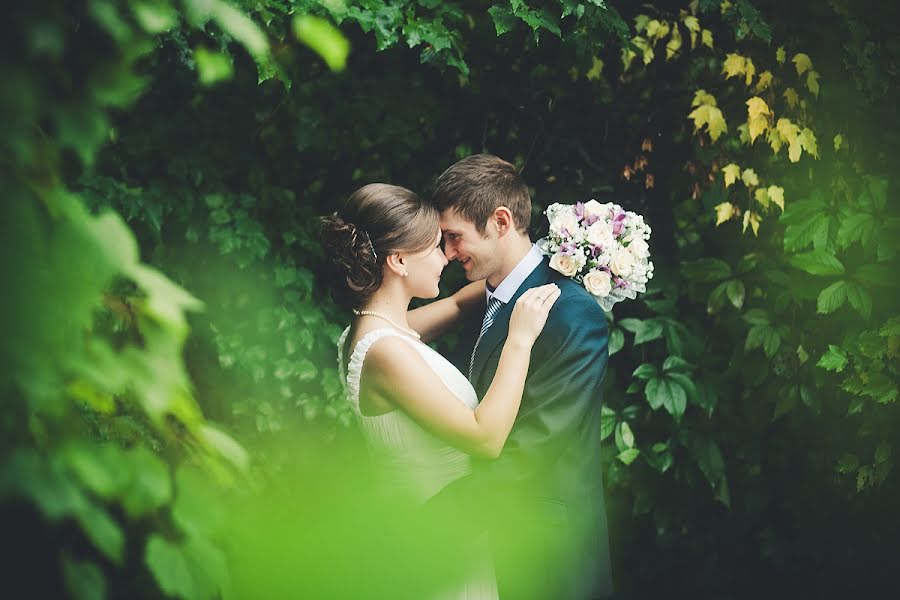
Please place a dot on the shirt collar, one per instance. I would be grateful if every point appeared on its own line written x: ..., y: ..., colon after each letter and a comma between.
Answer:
x: 504, y: 292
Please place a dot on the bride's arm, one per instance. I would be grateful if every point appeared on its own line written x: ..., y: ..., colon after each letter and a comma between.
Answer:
x: 395, y: 370
x: 437, y: 317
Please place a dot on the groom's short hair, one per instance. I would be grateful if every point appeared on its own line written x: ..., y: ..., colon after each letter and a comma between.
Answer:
x: 475, y: 186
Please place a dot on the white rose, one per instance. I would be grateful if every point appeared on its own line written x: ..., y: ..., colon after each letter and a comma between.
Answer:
x: 598, y: 283
x: 600, y: 234
x: 564, y: 220
x: 639, y: 248
x: 622, y: 262
x: 592, y: 208
x: 565, y: 264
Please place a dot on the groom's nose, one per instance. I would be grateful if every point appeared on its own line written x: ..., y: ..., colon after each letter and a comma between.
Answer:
x: 449, y: 251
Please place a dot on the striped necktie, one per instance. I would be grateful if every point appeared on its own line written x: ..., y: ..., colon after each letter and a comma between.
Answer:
x: 493, y: 306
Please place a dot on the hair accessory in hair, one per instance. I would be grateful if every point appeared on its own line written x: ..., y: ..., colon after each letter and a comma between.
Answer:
x: 371, y: 246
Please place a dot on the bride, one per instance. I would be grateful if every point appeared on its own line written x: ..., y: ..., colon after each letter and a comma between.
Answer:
x: 419, y: 415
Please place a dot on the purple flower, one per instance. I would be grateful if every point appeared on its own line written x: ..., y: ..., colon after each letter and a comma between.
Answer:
x: 620, y: 283
x: 618, y: 222
x: 565, y: 233
x: 591, y: 219
x: 596, y: 250
x: 579, y: 210
x: 567, y: 248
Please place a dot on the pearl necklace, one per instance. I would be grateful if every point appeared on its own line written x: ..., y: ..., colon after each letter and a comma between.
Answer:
x: 372, y: 313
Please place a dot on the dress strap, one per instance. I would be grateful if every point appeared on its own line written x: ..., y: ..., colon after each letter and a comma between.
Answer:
x: 357, y: 357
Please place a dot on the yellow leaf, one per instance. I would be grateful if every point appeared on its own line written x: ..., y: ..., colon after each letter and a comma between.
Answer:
x: 838, y: 140
x: 627, y: 57
x: 750, y: 178
x: 707, y: 38
x: 808, y: 139
x: 725, y: 6
x: 645, y: 48
x: 711, y: 117
x: 757, y: 107
x: 802, y: 62
x: 724, y: 212
x: 774, y: 139
x: 652, y: 29
x: 596, y: 69
x: 776, y: 195
x: 663, y: 30
x: 794, y: 150
x: 731, y: 173
x: 752, y: 219
x: 762, y: 196
x: 780, y: 55
x: 573, y: 74
x: 674, y: 44
x: 733, y: 65
x: 701, y: 97
x: 765, y: 80
x: 640, y: 22
x: 787, y: 130
x: 691, y: 23
x: 792, y: 97
x: 756, y: 127
x: 744, y: 133
x: 812, y: 82
x: 749, y: 71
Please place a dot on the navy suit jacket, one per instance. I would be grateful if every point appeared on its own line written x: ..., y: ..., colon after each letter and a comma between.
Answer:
x: 542, y: 498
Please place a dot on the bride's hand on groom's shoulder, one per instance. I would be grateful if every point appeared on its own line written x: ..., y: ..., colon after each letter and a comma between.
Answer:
x: 530, y: 313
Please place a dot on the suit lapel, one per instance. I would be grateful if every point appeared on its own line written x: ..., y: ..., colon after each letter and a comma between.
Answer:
x: 496, y: 335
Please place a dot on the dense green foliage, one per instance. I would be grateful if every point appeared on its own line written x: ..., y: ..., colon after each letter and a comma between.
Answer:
x: 751, y: 403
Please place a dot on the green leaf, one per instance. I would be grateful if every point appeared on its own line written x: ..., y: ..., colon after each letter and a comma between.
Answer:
x: 856, y: 226
x: 324, y: 39
x: 213, y: 66
x: 859, y: 299
x: 882, y: 452
x: 666, y: 392
x: 832, y: 297
x: 652, y: 330
x: 756, y: 316
x: 239, y: 26
x: 616, y: 341
x: 101, y: 468
x: 736, y: 292
x: 628, y: 456
x: 102, y: 530
x: 84, y: 579
x: 645, y: 371
x: 709, y: 459
x: 154, y: 17
x: 503, y: 18
x: 847, y: 464
x: 879, y: 274
x: 607, y: 422
x: 676, y: 364
x: 627, y: 435
x: 818, y: 262
x: 151, y: 485
x: 833, y: 360
x: 706, y: 270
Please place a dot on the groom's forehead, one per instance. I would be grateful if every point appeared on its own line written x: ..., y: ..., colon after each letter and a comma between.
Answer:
x: 452, y: 221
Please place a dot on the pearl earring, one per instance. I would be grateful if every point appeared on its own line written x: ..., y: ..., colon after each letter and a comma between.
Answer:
x: 405, y: 273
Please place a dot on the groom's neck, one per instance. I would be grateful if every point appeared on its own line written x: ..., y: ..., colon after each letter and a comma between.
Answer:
x: 512, y: 251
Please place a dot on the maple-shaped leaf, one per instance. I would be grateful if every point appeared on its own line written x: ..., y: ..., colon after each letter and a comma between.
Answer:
x: 674, y: 43
x: 724, y: 212
x: 701, y: 98
x: 757, y: 107
x: 750, y: 178
x: 803, y: 63
x: 752, y: 219
x: 731, y: 173
x: 812, y: 82
x: 645, y: 47
x: 762, y: 196
x: 780, y: 55
x: 749, y: 71
x: 628, y: 56
x: 764, y: 81
x: 595, y: 70
x: 776, y: 195
x: 707, y: 38
x: 712, y: 118
x: 640, y: 22
x: 838, y: 141
x: 744, y: 133
x: 756, y: 127
x: 774, y: 139
x: 692, y: 24
x: 808, y: 139
x: 794, y: 150
x: 733, y: 65
x: 790, y: 94
x: 788, y: 131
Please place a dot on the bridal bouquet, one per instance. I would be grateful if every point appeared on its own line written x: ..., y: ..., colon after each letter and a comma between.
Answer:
x: 601, y: 246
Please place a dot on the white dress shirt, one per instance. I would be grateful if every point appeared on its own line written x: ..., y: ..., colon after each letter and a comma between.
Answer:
x: 504, y: 292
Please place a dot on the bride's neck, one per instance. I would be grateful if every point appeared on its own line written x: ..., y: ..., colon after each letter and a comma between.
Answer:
x: 390, y: 303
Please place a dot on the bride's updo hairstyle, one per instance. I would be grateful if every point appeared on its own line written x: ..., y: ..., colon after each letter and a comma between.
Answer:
x: 377, y: 220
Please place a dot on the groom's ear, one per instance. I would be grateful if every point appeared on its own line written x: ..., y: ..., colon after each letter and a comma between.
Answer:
x: 503, y: 220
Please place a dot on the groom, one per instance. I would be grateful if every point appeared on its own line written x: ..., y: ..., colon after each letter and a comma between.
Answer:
x: 542, y: 499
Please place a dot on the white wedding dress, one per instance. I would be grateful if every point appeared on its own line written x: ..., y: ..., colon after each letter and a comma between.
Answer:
x: 411, y: 462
